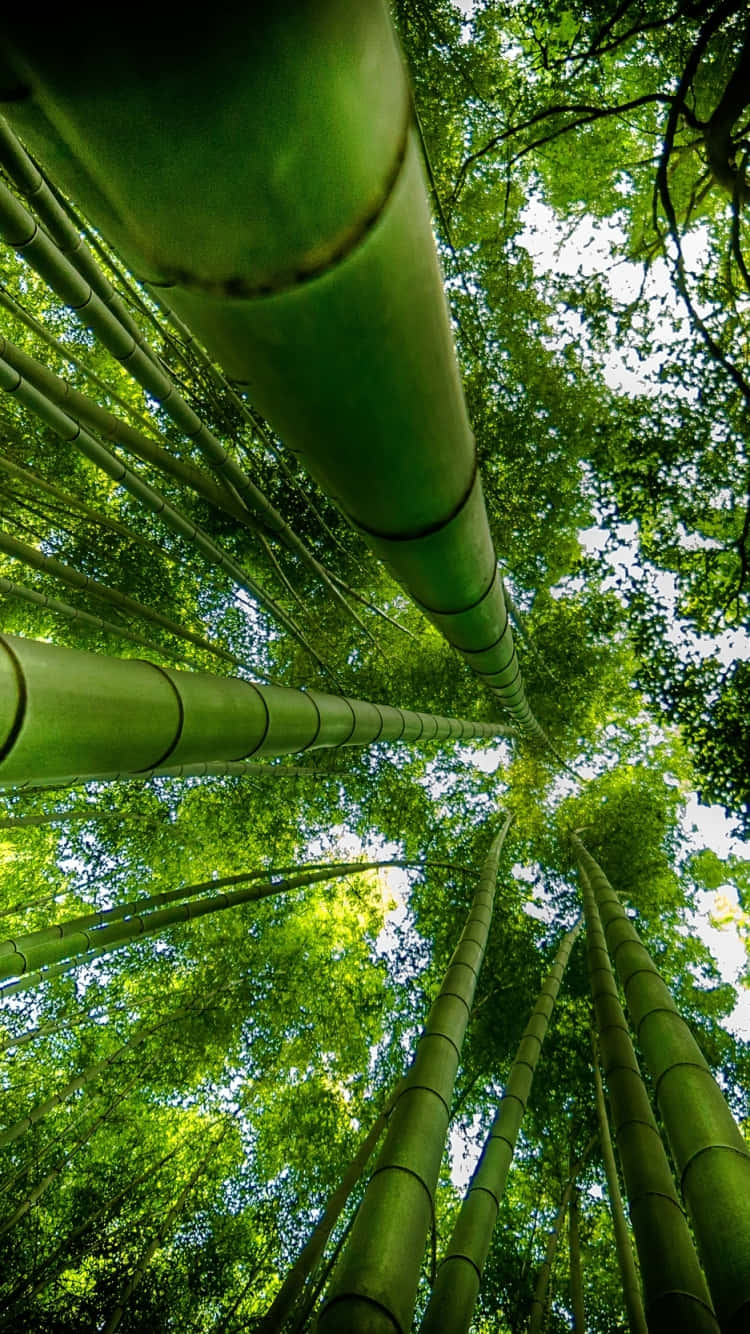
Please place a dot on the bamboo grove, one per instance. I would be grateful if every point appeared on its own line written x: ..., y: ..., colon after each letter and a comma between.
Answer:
x: 343, y: 795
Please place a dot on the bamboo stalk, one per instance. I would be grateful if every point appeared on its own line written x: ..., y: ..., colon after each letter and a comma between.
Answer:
x: 675, y: 1291
x: 374, y: 1286
x: 455, y: 1291
x: 57, y: 569
x: 291, y: 1289
x: 13, y: 383
x: 345, y: 277
x: 128, y: 716
x: 631, y: 1287
x: 708, y: 1148
x: 64, y: 609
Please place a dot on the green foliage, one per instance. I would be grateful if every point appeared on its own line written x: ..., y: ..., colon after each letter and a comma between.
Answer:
x: 288, y: 1022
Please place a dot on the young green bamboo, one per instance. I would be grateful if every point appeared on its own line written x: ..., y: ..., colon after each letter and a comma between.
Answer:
x: 291, y: 1289
x: 42, y: 1109
x: 162, y: 1232
x: 459, y: 1276
x: 67, y: 715
x: 42, y: 1186
x: 280, y: 287
x: 57, y: 569
x: 32, y: 953
x: 13, y: 383
x: 101, y: 916
x: 539, y: 1299
x: 631, y: 1287
x: 374, y: 1286
x: 675, y: 1291
x: 64, y: 609
x: 72, y: 506
x: 576, y: 1277
x: 708, y: 1148
x: 29, y: 181
x: 32, y: 1283
x: 110, y: 428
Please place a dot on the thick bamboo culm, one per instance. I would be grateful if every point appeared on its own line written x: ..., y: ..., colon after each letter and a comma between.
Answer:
x: 708, y: 1148
x: 67, y: 715
x: 459, y: 1276
x: 374, y: 1286
x: 308, y: 272
x: 675, y: 1292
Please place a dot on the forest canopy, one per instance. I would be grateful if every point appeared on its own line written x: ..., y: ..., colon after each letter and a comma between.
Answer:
x: 374, y: 414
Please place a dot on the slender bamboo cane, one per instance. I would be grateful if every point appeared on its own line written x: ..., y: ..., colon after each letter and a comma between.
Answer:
x: 30, y: 182
x: 291, y: 1289
x: 160, y: 1236
x: 38, y: 1277
x: 211, y: 769
x: 66, y: 715
x: 66, y: 352
x: 102, y: 916
x: 13, y: 383
x: 54, y: 817
x: 41, y: 1187
x: 539, y: 1299
x: 19, y: 229
x: 675, y: 1291
x: 576, y: 1277
x: 374, y: 1286
x: 57, y: 569
x: 69, y: 502
x: 85, y: 1077
x: 108, y: 427
x: 631, y: 1287
x: 307, y: 1303
x: 708, y: 1148
x: 33, y: 953
x: 455, y: 1291
x: 64, y: 609
x: 345, y: 277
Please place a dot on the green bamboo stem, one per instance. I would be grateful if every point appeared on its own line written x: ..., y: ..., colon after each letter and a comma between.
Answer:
x: 114, y: 430
x: 66, y: 715
x: 309, y: 1300
x: 14, y: 383
x: 291, y: 1289
x: 675, y: 1291
x: 576, y: 1277
x: 66, y: 352
x: 281, y: 287
x: 69, y: 613
x: 374, y: 1286
x: 160, y: 1235
x: 57, y: 569
x: 41, y: 1187
x: 79, y: 1081
x: 32, y: 953
x: 708, y: 1148
x: 37, y: 1279
x: 73, y: 286
x: 32, y: 940
x: 539, y: 1298
x: 459, y: 1276
x: 214, y: 769
x: 69, y: 502
x: 29, y: 181
x: 631, y: 1287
